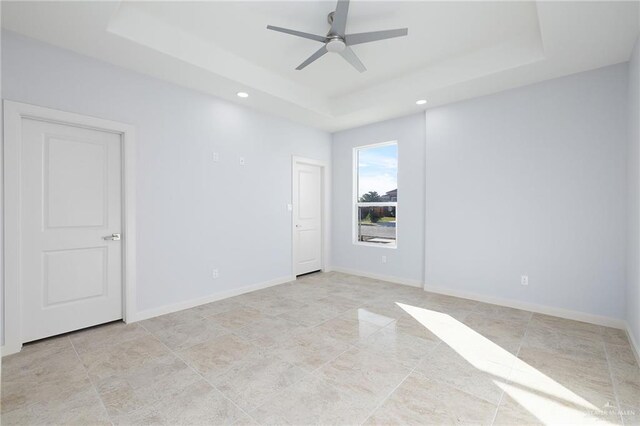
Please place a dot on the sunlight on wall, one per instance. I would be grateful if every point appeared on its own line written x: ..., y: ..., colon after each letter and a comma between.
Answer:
x: 543, y: 397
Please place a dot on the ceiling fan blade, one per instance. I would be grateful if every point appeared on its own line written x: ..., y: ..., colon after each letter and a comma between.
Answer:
x: 351, y: 39
x: 349, y: 55
x: 313, y: 57
x: 321, y: 39
x: 339, y: 24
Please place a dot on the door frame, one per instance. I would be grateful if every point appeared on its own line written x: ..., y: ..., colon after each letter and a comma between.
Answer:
x: 14, y: 112
x: 325, y: 211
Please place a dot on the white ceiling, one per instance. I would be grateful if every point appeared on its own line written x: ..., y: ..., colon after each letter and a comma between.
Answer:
x: 454, y: 50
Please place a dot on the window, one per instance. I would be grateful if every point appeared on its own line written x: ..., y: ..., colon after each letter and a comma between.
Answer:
x: 376, y: 194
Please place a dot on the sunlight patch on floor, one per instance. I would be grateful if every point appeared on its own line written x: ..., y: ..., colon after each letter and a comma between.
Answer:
x: 543, y: 397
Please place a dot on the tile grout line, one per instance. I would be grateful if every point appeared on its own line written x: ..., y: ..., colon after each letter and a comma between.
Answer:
x: 399, y: 384
x: 407, y: 376
x: 350, y: 344
x: 93, y: 385
x: 412, y: 371
x: 198, y: 373
x: 524, y: 336
x: 613, y: 382
x: 311, y: 373
x: 280, y: 315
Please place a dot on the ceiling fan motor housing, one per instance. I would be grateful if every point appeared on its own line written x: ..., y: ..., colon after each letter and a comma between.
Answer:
x: 336, y: 45
x: 337, y: 41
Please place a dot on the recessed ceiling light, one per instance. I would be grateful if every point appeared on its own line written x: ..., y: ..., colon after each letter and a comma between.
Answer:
x: 242, y: 94
x: 421, y: 102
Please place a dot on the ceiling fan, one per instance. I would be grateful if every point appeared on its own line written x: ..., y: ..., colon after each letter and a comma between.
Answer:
x: 338, y: 41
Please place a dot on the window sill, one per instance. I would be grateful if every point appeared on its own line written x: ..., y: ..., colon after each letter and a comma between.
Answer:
x: 360, y: 243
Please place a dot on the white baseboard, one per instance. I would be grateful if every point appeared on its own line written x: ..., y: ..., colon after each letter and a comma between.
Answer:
x: 175, y: 307
x: 634, y: 343
x: 9, y: 350
x: 167, y: 309
x: 389, y: 278
x: 540, y: 309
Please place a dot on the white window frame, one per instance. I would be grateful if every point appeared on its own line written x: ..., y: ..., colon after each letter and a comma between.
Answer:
x: 355, y: 203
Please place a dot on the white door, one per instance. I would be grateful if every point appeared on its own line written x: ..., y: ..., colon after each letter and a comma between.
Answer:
x: 70, y: 186
x: 307, y: 217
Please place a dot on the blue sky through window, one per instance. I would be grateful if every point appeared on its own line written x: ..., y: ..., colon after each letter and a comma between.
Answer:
x: 377, y: 169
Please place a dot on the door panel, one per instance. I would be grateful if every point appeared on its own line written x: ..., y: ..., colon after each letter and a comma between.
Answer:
x: 307, y: 242
x: 70, y: 201
x: 89, y: 268
x: 307, y: 217
x: 308, y: 195
x: 70, y: 179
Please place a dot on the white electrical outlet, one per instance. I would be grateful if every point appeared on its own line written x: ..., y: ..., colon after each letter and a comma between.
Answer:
x: 215, y: 274
x: 242, y: 161
x: 524, y: 279
x: 384, y: 259
x: 215, y: 157
x: 289, y: 207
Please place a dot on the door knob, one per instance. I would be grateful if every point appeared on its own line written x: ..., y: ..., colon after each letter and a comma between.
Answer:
x: 112, y: 237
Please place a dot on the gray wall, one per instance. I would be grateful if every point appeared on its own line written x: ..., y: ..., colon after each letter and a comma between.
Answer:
x: 528, y: 181
x: 633, y: 174
x: 192, y: 214
x: 532, y: 182
x: 406, y: 261
x: 495, y: 165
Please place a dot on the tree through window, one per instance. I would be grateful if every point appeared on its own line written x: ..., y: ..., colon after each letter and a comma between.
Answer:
x: 376, y: 194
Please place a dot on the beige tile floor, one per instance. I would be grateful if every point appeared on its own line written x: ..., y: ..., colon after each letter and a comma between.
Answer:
x: 329, y: 349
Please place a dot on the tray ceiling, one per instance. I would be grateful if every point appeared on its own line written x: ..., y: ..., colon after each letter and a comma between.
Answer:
x: 454, y: 50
